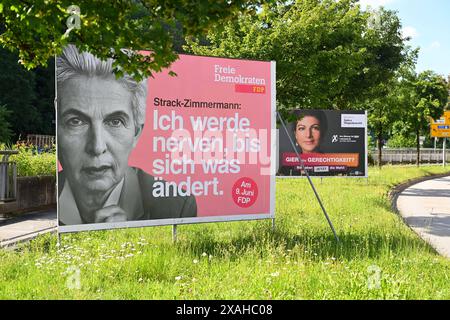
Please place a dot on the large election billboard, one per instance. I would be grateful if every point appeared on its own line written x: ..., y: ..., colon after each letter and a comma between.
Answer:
x: 329, y: 142
x: 195, y: 147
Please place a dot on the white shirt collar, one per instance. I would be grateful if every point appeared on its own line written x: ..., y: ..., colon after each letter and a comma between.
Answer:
x: 68, y: 210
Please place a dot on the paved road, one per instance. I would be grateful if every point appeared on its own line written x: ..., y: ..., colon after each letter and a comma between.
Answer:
x: 426, y: 209
x: 26, y: 227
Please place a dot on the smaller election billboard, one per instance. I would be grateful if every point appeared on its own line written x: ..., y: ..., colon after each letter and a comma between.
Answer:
x: 440, y: 128
x: 329, y: 142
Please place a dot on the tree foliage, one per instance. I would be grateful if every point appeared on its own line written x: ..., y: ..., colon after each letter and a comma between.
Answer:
x: 448, y: 87
x: 17, y: 93
x: 5, y: 127
x: 426, y: 95
x: 38, y: 29
x: 401, y: 135
x: 383, y: 110
x: 329, y: 54
x: 28, y: 95
x: 386, y: 104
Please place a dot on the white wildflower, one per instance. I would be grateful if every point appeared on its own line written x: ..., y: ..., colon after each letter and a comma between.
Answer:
x: 275, y: 274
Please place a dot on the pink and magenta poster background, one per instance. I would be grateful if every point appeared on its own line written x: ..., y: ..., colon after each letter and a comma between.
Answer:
x: 212, y: 81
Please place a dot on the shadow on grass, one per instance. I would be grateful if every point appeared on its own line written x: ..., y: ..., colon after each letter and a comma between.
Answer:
x: 264, y: 242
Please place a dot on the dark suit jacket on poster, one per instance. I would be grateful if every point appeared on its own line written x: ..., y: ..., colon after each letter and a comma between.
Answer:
x: 137, y: 201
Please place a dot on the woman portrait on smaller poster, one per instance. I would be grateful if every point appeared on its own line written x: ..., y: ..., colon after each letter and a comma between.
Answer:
x: 309, y: 130
x: 329, y: 142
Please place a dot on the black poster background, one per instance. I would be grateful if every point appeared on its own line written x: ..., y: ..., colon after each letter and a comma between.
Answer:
x: 333, y: 118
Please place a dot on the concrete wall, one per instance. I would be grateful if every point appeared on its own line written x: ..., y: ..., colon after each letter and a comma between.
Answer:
x: 33, y: 193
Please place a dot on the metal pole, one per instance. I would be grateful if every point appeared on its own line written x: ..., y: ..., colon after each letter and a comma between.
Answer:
x: 443, y: 152
x: 273, y: 224
x: 7, y: 188
x: 174, y: 233
x: 14, y: 166
x: 309, y: 179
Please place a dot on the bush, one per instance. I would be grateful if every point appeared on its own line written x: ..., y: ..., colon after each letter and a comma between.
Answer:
x: 33, y: 161
x: 400, y: 141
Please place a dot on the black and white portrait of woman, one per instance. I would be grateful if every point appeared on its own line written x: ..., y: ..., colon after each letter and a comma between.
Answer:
x: 99, y: 122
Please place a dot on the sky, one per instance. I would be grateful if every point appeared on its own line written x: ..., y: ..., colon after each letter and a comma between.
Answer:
x: 427, y: 22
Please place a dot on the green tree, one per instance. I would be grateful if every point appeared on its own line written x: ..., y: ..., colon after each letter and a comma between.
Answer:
x: 329, y: 53
x: 38, y: 29
x: 45, y: 96
x: 382, y: 112
x: 28, y: 94
x: 5, y: 128
x: 401, y: 136
x: 426, y: 94
x: 17, y: 93
x: 386, y: 104
x: 448, y: 100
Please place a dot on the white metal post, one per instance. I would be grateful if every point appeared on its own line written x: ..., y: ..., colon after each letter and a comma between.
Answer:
x: 443, y: 152
x: 174, y: 233
x: 309, y: 178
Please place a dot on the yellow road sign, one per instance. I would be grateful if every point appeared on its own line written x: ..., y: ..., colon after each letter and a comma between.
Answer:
x: 440, y: 128
x: 447, y: 117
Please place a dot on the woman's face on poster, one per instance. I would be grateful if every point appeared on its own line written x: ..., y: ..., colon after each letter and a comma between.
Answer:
x: 307, y: 133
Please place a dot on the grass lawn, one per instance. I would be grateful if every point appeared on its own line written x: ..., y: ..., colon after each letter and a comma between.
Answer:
x: 379, y: 257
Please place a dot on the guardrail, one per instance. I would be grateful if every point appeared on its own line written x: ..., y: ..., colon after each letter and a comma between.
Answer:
x: 427, y: 155
x: 8, y: 176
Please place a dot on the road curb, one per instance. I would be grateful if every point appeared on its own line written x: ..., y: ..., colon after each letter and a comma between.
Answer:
x: 13, y: 242
x: 394, y: 193
x: 7, y: 218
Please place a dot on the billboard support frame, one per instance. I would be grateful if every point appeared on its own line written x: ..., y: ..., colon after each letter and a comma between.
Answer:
x: 309, y: 179
x: 55, y: 103
x: 64, y: 229
x: 174, y: 233
x: 366, y: 152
